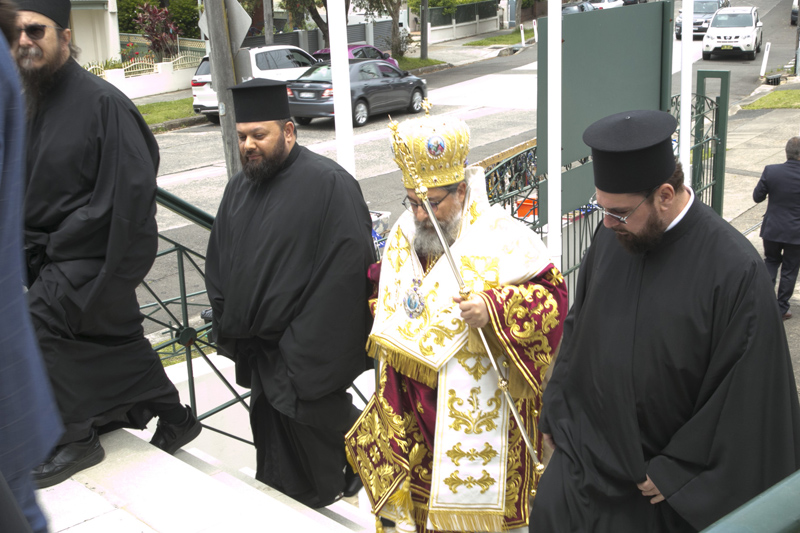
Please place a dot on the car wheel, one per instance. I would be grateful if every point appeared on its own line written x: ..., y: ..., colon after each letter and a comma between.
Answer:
x: 678, y: 36
x: 758, y: 50
x: 214, y: 119
x: 360, y: 113
x: 303, y: 121
x: 706, y: 55
x: 416, y: 102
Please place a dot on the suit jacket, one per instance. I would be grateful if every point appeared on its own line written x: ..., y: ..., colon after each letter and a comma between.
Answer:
x: 29, y: 423
x: 782, y: 184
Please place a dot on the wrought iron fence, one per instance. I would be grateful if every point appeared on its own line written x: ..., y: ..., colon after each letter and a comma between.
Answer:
x: 178, y: 315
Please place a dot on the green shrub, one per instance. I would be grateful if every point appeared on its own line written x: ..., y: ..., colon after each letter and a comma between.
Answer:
x: 185, y: 14
x: 126, y: 13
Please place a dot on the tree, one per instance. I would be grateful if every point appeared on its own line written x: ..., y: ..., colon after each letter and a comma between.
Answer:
x: 157, y: 27
x: 298, y: 8
x: 185, y: 14
x: 126, y: 13
x: 392, y: 8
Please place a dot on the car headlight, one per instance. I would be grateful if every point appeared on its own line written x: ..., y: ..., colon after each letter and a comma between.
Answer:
x: 708, y: 37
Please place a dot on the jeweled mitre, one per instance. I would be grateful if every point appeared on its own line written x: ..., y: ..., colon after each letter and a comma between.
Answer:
x: 432, y: 148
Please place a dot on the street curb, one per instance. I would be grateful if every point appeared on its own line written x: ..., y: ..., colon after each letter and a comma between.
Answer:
x: 178, y: 123
x: 430, y: 69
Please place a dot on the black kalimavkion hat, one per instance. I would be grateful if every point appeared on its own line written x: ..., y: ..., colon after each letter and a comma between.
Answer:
x: 632, y: 151
x: 260, y: 100
x: 55, y: 10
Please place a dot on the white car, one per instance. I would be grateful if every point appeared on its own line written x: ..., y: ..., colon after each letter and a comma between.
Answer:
x: 204, y: 97
x: 278, y: 62
x: 734, y: 30
x: 607, y: 4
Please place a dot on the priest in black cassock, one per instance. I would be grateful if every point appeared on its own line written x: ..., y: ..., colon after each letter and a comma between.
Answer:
x: 90, y: 239
x: 286, y: 273
x: 673, y: 400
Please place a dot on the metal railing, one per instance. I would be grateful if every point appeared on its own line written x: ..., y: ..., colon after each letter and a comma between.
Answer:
x: 188, y: 334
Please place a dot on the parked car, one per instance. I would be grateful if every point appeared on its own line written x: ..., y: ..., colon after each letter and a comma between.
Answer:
x: 204, y: 97
x: 633, y: 2
x: 577, y: 7
x: 275, y: 62
x: 703, y: 13
x: 793, y: 16
x: 358, y: 51
x: 279, y: 62
x: 735, y: 30
x: 606, y: 4
x: 375, y: 87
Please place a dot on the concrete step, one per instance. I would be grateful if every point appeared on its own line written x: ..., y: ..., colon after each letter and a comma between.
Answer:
x: 138, y: 488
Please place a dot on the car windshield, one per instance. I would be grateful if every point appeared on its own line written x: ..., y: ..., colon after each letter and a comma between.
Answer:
x: 732, y: 20
x: 318, y: 73
x: 705, y: 7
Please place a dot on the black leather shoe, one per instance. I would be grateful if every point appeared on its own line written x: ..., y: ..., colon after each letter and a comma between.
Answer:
x: 787, y: 315
x: 67, y: 460
x: 352, y: 482
x: 172, y: 437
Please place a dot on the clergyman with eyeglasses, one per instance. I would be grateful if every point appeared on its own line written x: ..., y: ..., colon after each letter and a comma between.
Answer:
x: 673, y: 400
x: 437, y: 445
x: 90, y: 239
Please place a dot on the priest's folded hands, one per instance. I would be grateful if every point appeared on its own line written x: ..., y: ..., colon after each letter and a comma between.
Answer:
x: 649, y: 488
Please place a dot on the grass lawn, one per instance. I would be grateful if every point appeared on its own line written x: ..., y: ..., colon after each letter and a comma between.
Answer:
x: 159, y: 112
x: 777, y: 100
x: 410, y: 63
x: 508, y: 39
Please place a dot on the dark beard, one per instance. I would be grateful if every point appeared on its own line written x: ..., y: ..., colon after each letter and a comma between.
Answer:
x: 649, y: 238
x: 37, y: 82
x: 267, y: 168
x: 427, y: 243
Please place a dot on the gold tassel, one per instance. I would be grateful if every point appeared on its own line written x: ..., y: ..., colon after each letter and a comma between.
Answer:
x: 378, y: 524
x: 402, y: 497
x: 474, y: 342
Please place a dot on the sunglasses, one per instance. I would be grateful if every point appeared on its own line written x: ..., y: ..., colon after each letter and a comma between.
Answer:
x: 36, y: 31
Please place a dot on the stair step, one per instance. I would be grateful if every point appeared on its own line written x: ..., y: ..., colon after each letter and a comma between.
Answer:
x: 139, y: 488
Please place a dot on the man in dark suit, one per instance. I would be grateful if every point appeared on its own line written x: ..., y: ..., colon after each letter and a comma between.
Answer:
x: 29, y: 421
x: 781, y: 228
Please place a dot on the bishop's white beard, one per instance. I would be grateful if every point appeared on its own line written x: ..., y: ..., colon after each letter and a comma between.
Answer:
x: 426, y: 242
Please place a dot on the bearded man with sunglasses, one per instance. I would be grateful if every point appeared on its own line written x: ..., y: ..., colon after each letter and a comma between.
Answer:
x: 673, y: 400
x: 90, y: 238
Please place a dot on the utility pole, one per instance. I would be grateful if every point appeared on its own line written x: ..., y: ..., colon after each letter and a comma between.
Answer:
x: 223, y: 78
x: 268, y: 22
x: 423, y: 44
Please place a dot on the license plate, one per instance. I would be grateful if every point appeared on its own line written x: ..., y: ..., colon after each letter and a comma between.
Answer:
x: 726, y: 47
x: 306, y: 95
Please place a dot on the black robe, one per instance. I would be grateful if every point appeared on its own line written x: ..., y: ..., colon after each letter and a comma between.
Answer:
x: 674, y: 364
x: 286, y: 273
x: 90, y: 239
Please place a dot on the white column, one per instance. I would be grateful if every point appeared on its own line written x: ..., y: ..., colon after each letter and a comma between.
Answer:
x: 554, y: 130
x: 340, y: 69
x: 685, y: 135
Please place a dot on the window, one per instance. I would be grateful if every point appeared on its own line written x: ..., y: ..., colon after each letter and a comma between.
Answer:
x: 368, y: 72
x: 263, y: 61
x: 372, y: 53
x: 358, y: 53
x: 388, y: 72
